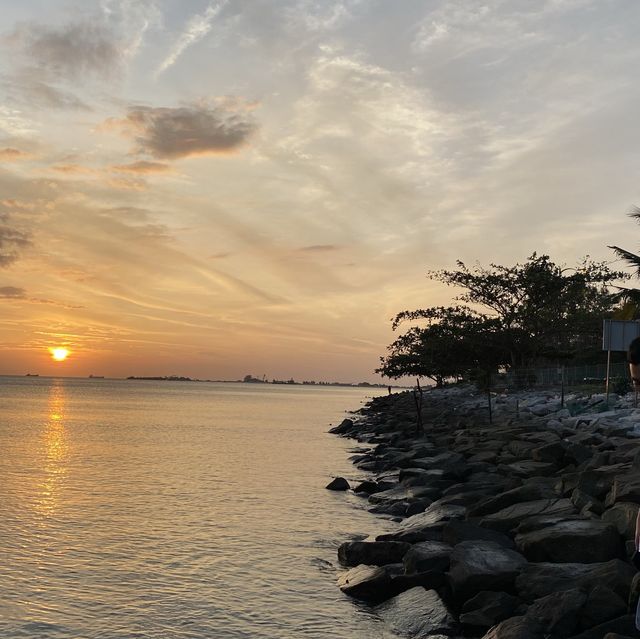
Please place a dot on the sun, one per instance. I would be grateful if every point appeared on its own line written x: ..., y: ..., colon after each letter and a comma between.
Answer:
x: 59, y: 354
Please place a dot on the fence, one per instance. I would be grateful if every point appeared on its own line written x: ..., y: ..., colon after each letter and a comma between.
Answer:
x: 592, y: 374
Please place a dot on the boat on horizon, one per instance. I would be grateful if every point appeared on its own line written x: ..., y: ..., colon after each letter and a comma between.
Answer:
x: 96, y: 376
x: 32, y: 375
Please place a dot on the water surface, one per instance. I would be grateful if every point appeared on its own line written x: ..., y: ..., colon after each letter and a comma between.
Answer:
x: 167, y: 509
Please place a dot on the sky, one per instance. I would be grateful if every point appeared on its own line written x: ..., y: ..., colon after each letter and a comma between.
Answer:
x: 231, y: 187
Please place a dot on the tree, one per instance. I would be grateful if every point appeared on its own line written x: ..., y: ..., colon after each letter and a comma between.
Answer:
x: 510, y: 316
x: 631, y: 296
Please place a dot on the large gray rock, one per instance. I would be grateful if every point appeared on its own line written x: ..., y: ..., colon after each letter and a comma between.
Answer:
x: 456, y: 531
x: 400, y: 494
x: 488, y: 608
x: 572, y: 541
x: 508, y: 518
x: 417, y: 613
x: 558, y: 614
x: 602, y: 605
x: 623, y: 516
x: 624, y: 625
x: 516, y: 628
x: 540, y: 579
x: 368, y: 583
x: 483, y: 565
x: 528, y: 492
x: 527, y: 469
x: 426, y: 526
x: 624, y: 488
x: 339, y: 483
x: 372, y: 553
x: 426, y: 555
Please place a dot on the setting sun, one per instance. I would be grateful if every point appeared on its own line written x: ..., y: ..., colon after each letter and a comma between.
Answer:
x: 59, y: 354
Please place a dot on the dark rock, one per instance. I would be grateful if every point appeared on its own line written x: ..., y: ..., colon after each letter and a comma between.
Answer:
x: 623, y: 516
x: 516, y: 628
x: 400, y: 493
x: 540, y: 579
x: 426, y: 526
x: 572, y: 541
x: 372, y: 553
x: 343, y: 428
x: 339, y: 483
x: 552, y: 453
x: 368, y: 583
x: 624, y: 488
x: 457, y: 531
x: 488, y: 608
x: 417, y: 613
x: 483, y: 565
x: 426, y: 555
x: 526, y: 469
x: 367, y: 487
x: 624, y: 625
x: 508, y: 518
x: 598, y: 481
x: 602, y: 605
x: 615, y: 635
x: 416, y: 507
x: 581, y: 500
x: 528, y: 492
x: 559, y: 612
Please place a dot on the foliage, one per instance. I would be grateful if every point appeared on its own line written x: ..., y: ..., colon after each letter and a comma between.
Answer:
x: 629, y: 296
x: 509, y: 316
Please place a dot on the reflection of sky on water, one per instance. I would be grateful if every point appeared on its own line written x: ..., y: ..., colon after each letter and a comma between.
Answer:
x: 55, y: 452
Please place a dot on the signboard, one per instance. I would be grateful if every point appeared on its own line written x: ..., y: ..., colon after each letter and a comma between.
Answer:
x: 618, y: 334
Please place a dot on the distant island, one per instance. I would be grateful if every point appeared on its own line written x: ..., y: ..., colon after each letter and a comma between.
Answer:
x: 250, y: 379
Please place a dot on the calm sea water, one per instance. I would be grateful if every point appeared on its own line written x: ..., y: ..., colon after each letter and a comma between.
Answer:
x: 161, y: 510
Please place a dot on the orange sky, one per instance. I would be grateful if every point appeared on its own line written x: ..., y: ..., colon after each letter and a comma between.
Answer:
x: 220, y: 188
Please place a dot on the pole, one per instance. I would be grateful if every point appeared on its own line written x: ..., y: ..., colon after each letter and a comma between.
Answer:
x: 608, y: 358
x: 562, y: 391
x: 489, y: 394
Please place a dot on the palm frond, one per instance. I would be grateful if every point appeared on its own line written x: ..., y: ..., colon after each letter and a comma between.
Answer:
x: 630, y: 258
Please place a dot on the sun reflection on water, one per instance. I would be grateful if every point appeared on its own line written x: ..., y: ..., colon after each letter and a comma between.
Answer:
x: 55, y: 452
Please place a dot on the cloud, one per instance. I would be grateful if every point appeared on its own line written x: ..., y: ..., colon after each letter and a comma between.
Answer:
x: 11, y: 242
x: 202, y: 128
x: 12, y: 292
x: 10, y: 154
x: 71, y: 51
x: 143, y: 167
x: 319, y: 248
x: 196, y: 29
x: 39, y: 93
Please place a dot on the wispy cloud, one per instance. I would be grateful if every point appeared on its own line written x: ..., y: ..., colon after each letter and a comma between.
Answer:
x: 10, y: 154
x: 12, y: 241
x: 196, y: 29
x: 143, y: 167
x: 12, y: 292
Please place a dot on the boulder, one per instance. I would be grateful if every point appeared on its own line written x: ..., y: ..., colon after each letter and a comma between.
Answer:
x: 417, y: 613
x: 516, y: 628
x: 456, y: 531
x: 602, y: 605
x: 539, y: 579
x: 483, y: 565
x: 624, y: 488
x: 426, y: 526
x: 344, y: 427
x: 572, y: 541
x: 426, y: 555
x: 400, y: 493
x: 369, y: 583
x: 527, y: 492
x: 558, y: 614
x: 508, y: 518
x: 623, y: 516
x: 367, y: 487
x: 488, y: 608
x: 372, y: 553
x: 526, y: 469
x: 339, y: 483
x: 582, y: 500
x: 624, y: 625
x: 552, y: 453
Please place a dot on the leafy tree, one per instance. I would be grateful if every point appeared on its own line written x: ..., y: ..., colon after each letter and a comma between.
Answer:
x: 510, y: 316
x: 630, y: 296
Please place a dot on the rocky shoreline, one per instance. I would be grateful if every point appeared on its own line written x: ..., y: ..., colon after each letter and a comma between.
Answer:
x: 519, y: 529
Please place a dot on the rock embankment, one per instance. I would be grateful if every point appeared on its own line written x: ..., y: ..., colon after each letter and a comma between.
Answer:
x: 519, y: 529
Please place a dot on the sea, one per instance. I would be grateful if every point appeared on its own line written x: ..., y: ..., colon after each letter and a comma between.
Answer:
x: 158, y: 509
